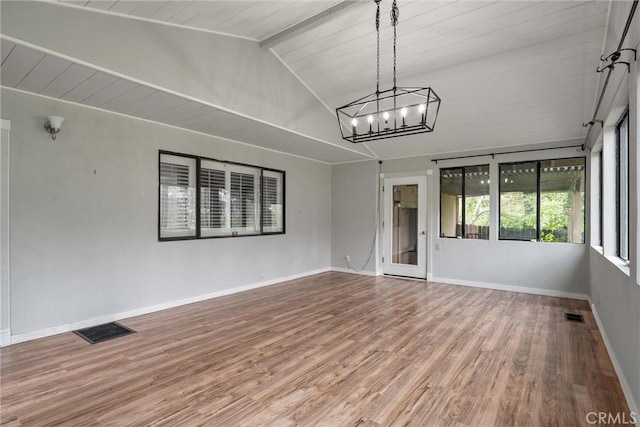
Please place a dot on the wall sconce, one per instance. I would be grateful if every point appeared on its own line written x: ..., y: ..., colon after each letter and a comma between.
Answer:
x: 53, y: 125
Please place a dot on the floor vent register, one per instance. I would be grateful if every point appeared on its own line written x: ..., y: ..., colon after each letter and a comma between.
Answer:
x: 106, y: 332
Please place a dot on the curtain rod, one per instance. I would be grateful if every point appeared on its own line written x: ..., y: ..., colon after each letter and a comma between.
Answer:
x: 581, y: 146
x: 609, y: 69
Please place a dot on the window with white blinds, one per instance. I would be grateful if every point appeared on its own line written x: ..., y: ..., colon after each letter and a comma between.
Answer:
x: 229, y: 199
x: 177, y: 196
x: 272, y: 205
x: 232, y: 199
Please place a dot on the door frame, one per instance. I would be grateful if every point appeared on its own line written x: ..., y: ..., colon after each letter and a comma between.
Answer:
x: 388, y: 268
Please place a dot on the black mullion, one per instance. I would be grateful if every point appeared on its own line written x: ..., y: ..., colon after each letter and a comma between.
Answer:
x: 198, y: 197
x: 159, y: 191
x: 499, y: 201
x: 601, y: 202
x: 628, y: 195
x: 618, y: 191
x: 284, y: 201
x: 439, y: 204
x: 538, y: 165
x: 260, y: 209
x: 464, y: 203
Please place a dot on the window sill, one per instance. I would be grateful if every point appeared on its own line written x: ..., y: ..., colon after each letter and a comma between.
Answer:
x: 598, y: 249
x: 622, y: 265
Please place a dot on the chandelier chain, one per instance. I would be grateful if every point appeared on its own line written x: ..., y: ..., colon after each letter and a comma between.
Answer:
x: 378, y: 46
x: 389, y: 113
x: 395, y: 14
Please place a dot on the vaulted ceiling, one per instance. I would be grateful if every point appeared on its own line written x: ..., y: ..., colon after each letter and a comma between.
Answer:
x: 509, y: 73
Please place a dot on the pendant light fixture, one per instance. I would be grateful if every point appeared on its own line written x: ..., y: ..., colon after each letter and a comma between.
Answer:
x: 390, y: 113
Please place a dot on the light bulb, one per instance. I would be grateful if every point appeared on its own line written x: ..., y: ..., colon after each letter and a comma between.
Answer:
x: 422, y: 108
x: 403, y: 112
x: 354, y: 122
x: 386, y: 115
x: 370, y: 120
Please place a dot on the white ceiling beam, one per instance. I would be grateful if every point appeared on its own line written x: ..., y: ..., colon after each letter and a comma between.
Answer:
x: 307, y: 24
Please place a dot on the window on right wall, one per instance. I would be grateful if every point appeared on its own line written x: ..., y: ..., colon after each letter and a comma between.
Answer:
x: 622, y: 196
x: 543, y: 200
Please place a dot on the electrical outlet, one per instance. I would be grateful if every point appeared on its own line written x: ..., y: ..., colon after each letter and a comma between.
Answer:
x: 347, y: 258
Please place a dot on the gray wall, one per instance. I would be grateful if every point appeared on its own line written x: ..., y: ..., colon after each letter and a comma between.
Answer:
x: 615, y: 290
x: 4, y: 235
x: 353, y: 214
x: 549, y: 267
x: 84, y: 218
x: 556, y: 267
x: 616, y: 298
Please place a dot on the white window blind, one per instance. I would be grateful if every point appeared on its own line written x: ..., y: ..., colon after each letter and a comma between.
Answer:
x: 272, y: 212
x: 229, y: 203
x: 177, y: 196
x: 214, y: 199
x: 243, y: 201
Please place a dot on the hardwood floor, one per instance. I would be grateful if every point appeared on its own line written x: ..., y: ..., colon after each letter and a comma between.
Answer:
x: 331, y: 349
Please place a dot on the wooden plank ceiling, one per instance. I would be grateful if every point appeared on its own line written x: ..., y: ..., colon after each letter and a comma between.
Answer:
x: 30, y: 70
x: 509, y: 73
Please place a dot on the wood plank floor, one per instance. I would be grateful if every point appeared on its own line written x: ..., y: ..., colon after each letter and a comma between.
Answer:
x: 331, y: 349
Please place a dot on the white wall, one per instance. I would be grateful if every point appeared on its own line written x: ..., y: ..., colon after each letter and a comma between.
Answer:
x: 84, y: 212
x: 353, y: 207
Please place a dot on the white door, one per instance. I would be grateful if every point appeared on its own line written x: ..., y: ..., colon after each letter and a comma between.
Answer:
x: 405, y: 227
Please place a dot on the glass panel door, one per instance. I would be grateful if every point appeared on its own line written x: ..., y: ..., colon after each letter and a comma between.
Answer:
x: 404, y: 227
x: 405, y: 224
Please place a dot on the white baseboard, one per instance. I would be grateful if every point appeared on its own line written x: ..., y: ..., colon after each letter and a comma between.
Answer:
x: 633, y: 406
x: 41, y: 333
x: 5, y: 337
x: 346, y: 270
x: 511, y: 288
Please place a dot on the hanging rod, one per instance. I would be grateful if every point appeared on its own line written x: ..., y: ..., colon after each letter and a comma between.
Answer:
x: 606, y: 81
x: 493, y: 155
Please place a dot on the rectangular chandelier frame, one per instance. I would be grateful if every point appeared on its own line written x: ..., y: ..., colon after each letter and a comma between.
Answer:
x: 389, y: 114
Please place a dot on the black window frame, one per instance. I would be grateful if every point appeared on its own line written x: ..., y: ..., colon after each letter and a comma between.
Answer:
x: 198, y: 236
x: 623, y: 117
x: 601, y: 199
x: 463, y: 202
x: 538, y: 174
